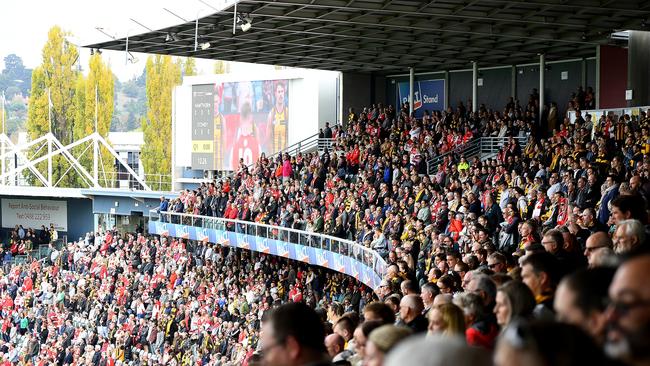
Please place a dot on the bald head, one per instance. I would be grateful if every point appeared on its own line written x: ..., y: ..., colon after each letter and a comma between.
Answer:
x: 597, y: 246
x: 410, y: 307
x: 334, y: 344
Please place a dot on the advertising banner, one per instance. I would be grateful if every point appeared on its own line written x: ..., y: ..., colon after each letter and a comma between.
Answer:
x: 350, y: 265
x: 34, y: 213
x: 427, y: 95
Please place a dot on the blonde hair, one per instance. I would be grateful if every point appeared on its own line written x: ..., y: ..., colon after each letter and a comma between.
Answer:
x: 453, y: 317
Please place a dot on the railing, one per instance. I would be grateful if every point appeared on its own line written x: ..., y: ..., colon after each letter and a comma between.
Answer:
x: 307, y: 145
x: 338, y: 254
x: 479, y: 147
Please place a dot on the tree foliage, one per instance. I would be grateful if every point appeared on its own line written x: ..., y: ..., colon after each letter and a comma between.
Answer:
x: 221, y: 67
x: 162, y: 75
x: 189, y: 67
x: 61, y: 92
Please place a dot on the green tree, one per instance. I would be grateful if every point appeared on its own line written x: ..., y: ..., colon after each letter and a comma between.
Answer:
x: 95, y: 94
x: 56, y: 77
x: 162, y: 75
x: 189, y: 67
x: 221, y: 67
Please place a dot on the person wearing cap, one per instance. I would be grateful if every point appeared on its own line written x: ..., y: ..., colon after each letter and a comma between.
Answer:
x: 381, y: 341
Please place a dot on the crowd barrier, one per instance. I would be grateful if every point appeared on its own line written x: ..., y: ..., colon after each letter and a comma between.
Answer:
x: 344, y: 256
x: 633, y: 112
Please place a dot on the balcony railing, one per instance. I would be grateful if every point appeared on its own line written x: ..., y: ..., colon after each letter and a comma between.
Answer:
x: 344, y: 256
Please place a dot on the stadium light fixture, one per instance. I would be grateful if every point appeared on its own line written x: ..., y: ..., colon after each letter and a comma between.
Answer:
x: 205, y: 45
x: 244, y: 21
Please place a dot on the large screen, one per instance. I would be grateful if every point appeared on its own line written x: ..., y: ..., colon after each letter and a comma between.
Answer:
x: 247, y: 118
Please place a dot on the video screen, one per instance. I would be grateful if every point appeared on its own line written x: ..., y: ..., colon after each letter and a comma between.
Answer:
x: 249, y: 118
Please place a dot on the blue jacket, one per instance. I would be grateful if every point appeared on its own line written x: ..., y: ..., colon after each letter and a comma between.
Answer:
x: 164, y: 205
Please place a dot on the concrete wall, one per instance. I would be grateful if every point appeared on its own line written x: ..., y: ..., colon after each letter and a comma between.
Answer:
x: 497, y: 83
x: 638, y: 66
x: 123, y: 205
x: 357, y: 91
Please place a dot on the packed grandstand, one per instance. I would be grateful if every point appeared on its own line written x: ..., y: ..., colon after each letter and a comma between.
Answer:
x: 535, y: 256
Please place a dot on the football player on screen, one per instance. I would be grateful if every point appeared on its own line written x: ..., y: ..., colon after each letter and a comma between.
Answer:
x: 279, y: 117
x: 246, y: 146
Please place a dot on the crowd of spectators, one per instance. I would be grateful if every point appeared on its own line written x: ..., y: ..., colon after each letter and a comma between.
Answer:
x: 488, y: 242
x: 135, y: 300
x: 21, y: 241
x: 536, y: 257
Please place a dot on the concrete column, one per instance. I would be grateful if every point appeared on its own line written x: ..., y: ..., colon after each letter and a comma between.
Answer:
x: 584, y: 74
x: 542, y: 71
x: 597, y: 86
x: 446, y: 89
x: 474, y: 86
x: 411, y: 84
x: 513, y: 82
x: 638, y: 74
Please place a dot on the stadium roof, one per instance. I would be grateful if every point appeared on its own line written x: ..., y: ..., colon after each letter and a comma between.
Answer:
x: 388, y: 36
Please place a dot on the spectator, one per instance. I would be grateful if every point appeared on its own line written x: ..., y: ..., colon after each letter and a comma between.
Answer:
x: 448, y: 320
x: 547, y: 344
x: 293, y: 335
x: 437, y: 351
x: 410, y: 311
x: 541, y: 273
x: 581, y: 298
x: 481, y: 331
x: 514, y: 300
x: 381, y: 341
x: 628, y: 315
x: 598, y: 249
x: 629, y: 236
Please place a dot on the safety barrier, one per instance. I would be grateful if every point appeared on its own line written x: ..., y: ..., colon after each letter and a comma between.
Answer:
x: 482, y: 147
x: 340, y: 255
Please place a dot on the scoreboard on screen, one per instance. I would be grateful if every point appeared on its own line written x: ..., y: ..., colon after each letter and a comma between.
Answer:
x: 237, y: 121
x: 203, y: 127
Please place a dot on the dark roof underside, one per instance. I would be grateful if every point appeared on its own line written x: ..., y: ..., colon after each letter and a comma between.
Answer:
x: 389, y: 36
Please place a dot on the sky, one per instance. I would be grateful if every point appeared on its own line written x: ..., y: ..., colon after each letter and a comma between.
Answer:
x: 24, y: 25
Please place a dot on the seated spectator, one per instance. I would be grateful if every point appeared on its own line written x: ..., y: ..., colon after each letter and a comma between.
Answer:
x: 379, y: 311
x: 547, y: 343
x: 581, y: 299
x: 541, y: 273
x: 293, y: 334
x: 628, y: 315
x: 448, y: 320
x: 598, y: 249
x: 629, y: 236
x: 410, y: 311
x: 381, y: 341
x: 481, y: 331
x: 437, y: 351
x: 361, y: 335
x: 514, y: 300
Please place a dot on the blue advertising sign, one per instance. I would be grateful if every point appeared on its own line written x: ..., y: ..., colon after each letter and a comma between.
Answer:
x: 352, y: 266
x: 427, y: 95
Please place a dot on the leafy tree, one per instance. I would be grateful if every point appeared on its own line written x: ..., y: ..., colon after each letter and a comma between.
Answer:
x: 96, y: 91
x: 15, y: 75
x: 221, y: 67
x: 189, y: 67
x: 162, y: 75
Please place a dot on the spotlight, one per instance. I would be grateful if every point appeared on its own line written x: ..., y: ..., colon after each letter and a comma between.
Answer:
x: 205, y: 45
x: 245, y: 22
x: 171, y: 37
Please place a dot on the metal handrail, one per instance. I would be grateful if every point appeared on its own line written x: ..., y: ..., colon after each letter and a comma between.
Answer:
x: 378, y: 264
x: 480, y: 146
